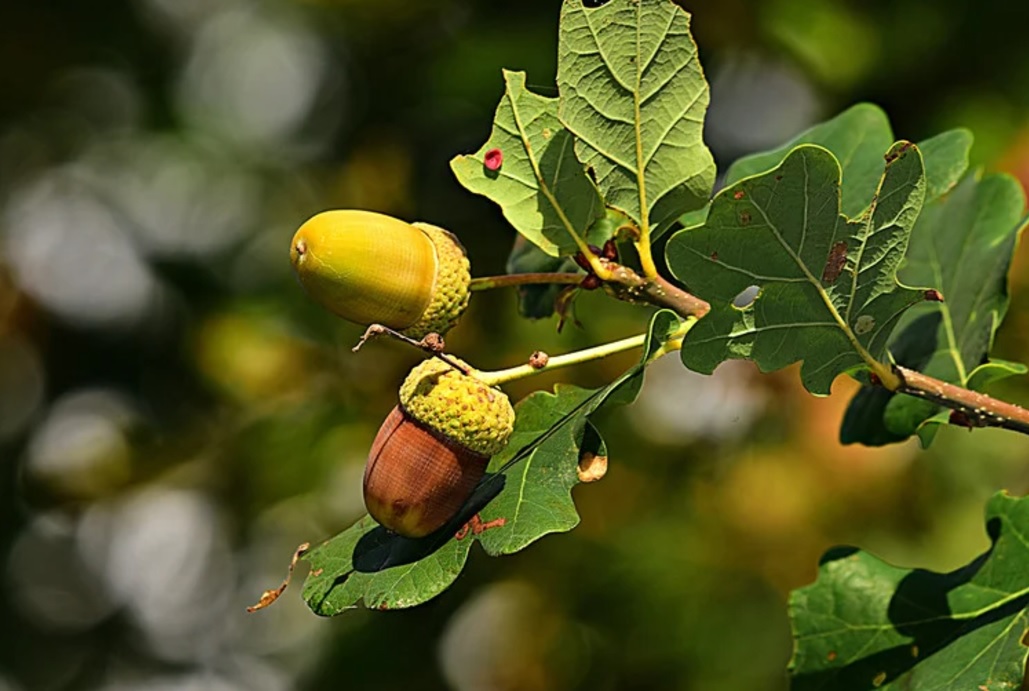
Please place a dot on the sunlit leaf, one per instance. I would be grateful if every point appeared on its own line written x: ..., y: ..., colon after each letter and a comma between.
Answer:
x: 526, y: 495
x: 828, y: 289
x: 538, y: 182
x: 962, y: 245
x: 633, y: 93
x: 865, y: 624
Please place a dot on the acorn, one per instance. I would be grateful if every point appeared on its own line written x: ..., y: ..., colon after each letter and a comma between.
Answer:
x: 434, y: 447
x: 370, y: 268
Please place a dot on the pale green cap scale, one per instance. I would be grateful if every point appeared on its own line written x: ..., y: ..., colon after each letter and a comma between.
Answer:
x: 458, y: 406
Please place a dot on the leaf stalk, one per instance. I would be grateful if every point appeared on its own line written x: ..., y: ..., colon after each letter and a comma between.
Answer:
x: 508, y: 280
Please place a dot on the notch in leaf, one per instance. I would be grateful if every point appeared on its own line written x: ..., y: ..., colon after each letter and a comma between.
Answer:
x: 829, y: 293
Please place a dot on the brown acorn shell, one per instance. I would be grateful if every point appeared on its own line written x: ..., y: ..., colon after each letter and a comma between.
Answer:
x: 416, y: 479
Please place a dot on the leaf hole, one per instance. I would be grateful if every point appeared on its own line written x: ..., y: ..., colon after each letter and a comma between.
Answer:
x: 746, y: 297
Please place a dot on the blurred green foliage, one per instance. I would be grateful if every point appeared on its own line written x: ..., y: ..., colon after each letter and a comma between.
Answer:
x: 176, y: 416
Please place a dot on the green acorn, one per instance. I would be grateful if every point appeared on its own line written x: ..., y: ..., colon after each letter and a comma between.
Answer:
x: 433, y: 448
x: 370, y: 268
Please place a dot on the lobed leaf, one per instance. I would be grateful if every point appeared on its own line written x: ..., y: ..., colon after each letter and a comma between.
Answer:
x: 962, y: 245
x: 540, y: 185
x: 828, y: 293
x: 865, y: 624
x: 634, y: 95
x: 525, y: 495
x: 857, y: 137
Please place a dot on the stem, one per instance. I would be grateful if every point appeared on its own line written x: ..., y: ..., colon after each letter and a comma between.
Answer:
x: 503, y: 376
x: 489, y: 282
x: 432, y: 344
x: 673, y: 344
x: 646, y: 258
x: 981, y: 410
x: 625, y: 284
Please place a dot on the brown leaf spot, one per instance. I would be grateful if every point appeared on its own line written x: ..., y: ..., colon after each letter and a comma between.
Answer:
x: 933, y: 295
x: 738, y: 194
x: 714, y: 256
x: 831, y: 656
x: 547, y: 133
x: 270, y: 596
x: 836, y: 261
x: 592, y: 467
x: 744, y: 218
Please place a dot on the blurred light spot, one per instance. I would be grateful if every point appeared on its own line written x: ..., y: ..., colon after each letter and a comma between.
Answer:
x: 252, y: 357
x: 21, y: 384
x: 253, y: 79
x: 239, y: 673
x: 202, y: 681
x: 163, y: 554
x: 177, y: 198
x: 8, y: 684
x: 49, y: 583
x: 184, y: 15
x: 67, y: 251
x: 836, y: 42
x: 105, y: 99
x: 677, y: 405
x: 756, y: 105
x: 499, y: 639
x: 81, y: 448
x: 344, y: 450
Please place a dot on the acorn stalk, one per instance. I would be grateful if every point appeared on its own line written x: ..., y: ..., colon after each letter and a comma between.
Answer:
x: 433, y: 448
x: 370, y: 268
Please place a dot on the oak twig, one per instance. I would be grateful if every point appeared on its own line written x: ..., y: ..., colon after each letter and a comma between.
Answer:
x: 981, y: 410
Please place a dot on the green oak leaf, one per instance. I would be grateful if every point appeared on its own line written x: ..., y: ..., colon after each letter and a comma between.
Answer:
x: 633, y: 93
x: 857, y: 137
x: 541, y: 187
x: 962, y: 245
x: 865, y: 624
x: 525, y: 495
x: 828, y: 289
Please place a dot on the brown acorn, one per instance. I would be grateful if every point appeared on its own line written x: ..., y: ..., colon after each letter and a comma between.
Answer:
x: 433, y: 448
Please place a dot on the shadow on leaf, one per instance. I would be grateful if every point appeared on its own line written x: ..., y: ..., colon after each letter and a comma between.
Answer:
x: 380, y: 549
x: 919, y: 609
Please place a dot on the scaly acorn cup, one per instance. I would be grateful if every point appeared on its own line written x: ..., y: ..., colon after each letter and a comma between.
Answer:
x: 433, y: 448
x: 370, y: 268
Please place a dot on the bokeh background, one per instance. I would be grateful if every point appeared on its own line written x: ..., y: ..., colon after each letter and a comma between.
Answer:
x: 176, y: 417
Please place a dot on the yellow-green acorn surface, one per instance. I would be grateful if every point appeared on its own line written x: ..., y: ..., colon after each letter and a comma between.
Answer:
x: 433, y: 448
x: 458, y: 406
x: 370, y: 268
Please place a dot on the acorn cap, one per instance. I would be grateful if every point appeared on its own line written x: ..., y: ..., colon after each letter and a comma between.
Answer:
x: 371, y: 268
x: 458, y: 406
